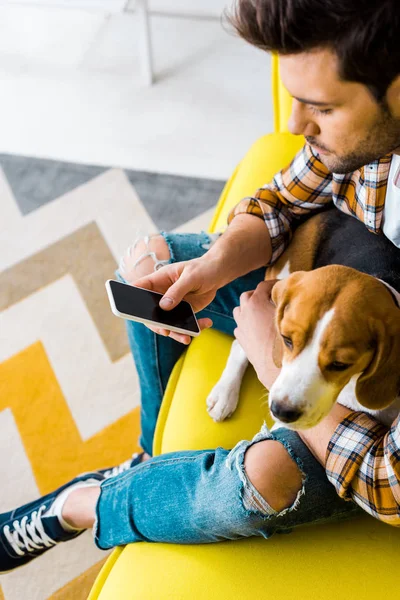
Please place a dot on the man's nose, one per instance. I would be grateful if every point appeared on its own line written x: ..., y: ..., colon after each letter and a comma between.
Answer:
x: 300, y: 122
x: 284, y: 412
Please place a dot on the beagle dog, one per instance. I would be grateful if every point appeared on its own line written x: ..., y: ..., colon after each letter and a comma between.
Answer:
x: 338, y: 322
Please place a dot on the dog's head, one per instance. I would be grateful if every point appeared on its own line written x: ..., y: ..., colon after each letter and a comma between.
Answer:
x: 334, y: 324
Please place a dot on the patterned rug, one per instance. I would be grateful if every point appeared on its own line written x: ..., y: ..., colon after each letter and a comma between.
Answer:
x: 69, y: 397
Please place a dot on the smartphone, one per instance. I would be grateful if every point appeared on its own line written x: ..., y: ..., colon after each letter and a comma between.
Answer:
x: 137, y: 304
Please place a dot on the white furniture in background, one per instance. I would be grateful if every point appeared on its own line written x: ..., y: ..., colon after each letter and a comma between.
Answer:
x: 195, y: 8
x: 146, y: 49
x: 110, y: 6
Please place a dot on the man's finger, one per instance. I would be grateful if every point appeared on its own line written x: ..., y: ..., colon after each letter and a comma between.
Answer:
x: 175, y: 293
x: 205, y: 323
x: 268, y: 284
x: 179, y: 337
x: 158, y: 330
x: 144, y: 282
x: 246, y: 296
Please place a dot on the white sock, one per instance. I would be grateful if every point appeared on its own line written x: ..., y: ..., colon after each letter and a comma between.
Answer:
x: 56, y: 508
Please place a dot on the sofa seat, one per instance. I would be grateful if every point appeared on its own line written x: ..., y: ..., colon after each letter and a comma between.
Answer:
x: 355, y: 559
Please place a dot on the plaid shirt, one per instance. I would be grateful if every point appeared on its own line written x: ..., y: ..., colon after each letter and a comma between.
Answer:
x: 307, y: 185
x: 363, y: 456
x: 363, y: 463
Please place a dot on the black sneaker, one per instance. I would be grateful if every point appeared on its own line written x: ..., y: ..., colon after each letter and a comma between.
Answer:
x: 136, y: 459
x: 29, y: 531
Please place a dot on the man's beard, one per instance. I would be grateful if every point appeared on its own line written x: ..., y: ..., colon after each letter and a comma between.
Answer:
x: 383, y: 138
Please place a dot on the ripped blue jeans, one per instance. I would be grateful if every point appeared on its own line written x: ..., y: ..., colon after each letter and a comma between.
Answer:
x: 195, y: 497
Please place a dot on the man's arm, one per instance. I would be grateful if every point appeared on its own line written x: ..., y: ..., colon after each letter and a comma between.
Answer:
x: 362, y: 460
x: 260, y: 227
x: 317, y: 438
x: 244, y: 247
x: 303, y: 187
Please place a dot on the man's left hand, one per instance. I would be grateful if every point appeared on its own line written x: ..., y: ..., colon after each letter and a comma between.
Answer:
x: 255, y: 331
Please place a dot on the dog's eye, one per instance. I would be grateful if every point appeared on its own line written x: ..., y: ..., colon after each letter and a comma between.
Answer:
x: 337, y: 366
x: 288, y: 342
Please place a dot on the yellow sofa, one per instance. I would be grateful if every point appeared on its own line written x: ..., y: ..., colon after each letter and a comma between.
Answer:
x: 350, y: 560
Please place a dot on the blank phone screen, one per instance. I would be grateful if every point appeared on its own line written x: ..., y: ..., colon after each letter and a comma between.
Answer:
x: 142, y: 303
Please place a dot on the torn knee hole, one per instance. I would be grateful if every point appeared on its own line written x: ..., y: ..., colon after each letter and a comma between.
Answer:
x: 273, y: 473
x: 146, y: 255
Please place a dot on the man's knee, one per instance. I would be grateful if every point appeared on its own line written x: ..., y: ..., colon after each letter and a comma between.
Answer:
x: 146, y: 255
x: 273, y: 473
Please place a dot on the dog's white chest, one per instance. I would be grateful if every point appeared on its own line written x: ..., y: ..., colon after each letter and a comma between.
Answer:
x: 347, y: 397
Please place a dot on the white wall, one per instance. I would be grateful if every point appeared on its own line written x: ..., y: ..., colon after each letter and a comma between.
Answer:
x: 197, y: 7
x: 114, y: 5
x: 212, y: 8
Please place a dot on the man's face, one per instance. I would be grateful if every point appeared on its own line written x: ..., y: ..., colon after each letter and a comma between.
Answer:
x: 340, y: 119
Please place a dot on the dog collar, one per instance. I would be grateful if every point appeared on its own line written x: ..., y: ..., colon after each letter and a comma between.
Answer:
x: 395, y: 293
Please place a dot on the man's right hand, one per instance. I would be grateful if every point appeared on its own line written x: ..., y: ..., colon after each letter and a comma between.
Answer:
x: 195, y: 281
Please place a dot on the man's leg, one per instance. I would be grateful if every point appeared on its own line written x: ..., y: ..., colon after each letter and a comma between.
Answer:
x: 154, y: 355
x: 271, y: 484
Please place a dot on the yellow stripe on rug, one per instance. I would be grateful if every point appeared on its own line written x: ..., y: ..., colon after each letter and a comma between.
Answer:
x: 52, y: 442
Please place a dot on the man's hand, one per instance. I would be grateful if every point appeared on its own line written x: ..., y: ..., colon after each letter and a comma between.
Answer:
x: 195, y: 281
x: 255, y: 318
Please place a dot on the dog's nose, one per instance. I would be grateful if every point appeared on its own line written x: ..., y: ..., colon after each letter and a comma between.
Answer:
x: 284, y: 413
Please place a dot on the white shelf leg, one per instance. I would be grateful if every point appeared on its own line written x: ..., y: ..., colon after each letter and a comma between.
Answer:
x: 145, y: 41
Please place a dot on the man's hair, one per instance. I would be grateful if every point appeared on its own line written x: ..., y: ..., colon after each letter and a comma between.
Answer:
x: 364, y: 34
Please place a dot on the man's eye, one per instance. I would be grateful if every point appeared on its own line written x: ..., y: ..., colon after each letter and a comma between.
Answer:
x: 288, y: 342
x: 337, y: 366
x: 318, y: 111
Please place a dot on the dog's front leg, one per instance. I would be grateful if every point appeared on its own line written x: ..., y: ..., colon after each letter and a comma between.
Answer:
x: 224, y: 397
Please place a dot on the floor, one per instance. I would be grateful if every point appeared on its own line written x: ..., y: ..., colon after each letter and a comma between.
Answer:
x: 72, y: 90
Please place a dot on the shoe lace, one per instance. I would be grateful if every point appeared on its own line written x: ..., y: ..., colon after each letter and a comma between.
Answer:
x: 120, y: 468
x: 28, y: 537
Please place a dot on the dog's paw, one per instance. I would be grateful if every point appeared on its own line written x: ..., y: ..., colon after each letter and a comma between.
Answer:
x: 222, y: 402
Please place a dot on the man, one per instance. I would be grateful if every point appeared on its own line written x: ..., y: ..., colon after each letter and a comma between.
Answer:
x: 341, y: 64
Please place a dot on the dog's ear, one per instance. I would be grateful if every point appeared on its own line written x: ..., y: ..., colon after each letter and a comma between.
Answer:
x: 379, y: 384
x: 280, y: 294
x: 277, y: 351
x: 278, y: 291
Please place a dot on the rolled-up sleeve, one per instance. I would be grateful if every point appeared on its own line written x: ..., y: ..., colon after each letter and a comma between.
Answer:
x: 294, y: 194
x: 363, y: 463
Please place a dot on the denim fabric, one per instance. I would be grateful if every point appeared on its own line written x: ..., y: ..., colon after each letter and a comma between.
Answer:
x: 201, y: 496
x: 204, y: 496
x: 155, y: 355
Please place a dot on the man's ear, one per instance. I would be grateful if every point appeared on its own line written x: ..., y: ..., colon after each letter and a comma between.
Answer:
x: 393, y: 97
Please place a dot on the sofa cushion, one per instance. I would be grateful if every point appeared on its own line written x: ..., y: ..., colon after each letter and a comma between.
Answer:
x: 265, y: 158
